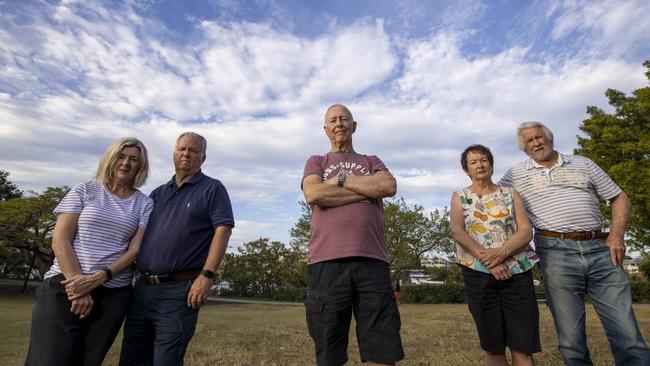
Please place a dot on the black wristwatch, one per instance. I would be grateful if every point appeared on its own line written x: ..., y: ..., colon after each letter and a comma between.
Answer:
x: 109, y: 273
x: 208, y: 273
x: 341, y: 180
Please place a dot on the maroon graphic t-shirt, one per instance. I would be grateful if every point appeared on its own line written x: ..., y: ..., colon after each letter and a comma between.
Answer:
x: 352, y: 230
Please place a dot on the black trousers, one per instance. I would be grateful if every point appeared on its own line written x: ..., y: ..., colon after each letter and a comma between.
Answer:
x: 360, y: 286
x: 59, y: 337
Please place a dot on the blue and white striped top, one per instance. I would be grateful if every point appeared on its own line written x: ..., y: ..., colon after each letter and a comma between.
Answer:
x: 563, y: 198
x: 105, y: 227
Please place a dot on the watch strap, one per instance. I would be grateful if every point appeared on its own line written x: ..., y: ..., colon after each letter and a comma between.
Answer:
x: 341, y: 180
x: 208, y: 273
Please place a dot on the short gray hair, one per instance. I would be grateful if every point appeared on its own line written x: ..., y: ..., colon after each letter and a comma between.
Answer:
x: 346, y: 109
x: 204, y: 142
x: 533, y: 124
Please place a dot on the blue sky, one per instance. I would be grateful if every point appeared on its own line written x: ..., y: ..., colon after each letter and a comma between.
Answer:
x: 424, y: 79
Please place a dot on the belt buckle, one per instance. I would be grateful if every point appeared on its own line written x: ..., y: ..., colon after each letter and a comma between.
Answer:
x: 593, y: 235
x: 154, y: 279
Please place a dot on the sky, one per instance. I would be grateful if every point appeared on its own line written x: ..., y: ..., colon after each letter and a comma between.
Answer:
x: 424, y: 79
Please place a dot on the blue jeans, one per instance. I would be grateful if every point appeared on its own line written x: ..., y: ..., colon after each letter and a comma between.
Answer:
x: 159, y: 325
x: 573, y: 269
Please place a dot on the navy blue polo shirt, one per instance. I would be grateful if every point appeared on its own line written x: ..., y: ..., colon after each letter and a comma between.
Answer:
x: 182, y: 224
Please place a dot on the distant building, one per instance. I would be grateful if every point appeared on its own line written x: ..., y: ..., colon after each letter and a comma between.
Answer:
x: 436, y: 262
x: 417, y: 277
x: 631, y: 266
x: 223, y: 285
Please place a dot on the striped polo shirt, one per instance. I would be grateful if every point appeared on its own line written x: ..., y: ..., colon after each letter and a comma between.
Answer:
x: 563, y: 198
x: 105, y: 227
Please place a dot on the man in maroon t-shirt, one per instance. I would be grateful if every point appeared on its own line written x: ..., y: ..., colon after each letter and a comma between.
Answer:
x: 348, y: 261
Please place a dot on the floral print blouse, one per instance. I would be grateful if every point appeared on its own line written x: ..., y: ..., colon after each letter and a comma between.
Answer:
x: 490, y: 220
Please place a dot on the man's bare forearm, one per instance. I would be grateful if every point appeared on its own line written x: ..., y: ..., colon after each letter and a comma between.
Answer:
x: 218, y: 247
x: 620, y: 214
x: 379, y: 185
x: 341, y: 200
x: 328, y: 195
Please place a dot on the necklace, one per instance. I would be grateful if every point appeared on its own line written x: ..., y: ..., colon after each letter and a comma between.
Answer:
x: 483, y: 192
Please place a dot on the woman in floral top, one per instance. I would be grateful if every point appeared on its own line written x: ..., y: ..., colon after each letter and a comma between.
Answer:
x: 491, y: 227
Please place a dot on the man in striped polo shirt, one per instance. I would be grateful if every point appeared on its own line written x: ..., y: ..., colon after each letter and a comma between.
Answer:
x: 561, y: 195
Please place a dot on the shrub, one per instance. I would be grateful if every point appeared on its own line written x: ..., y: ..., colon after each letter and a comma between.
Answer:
x: 640, y: 291
x: 644, y: 267
x: 448, y: 293
x: 297, y: 294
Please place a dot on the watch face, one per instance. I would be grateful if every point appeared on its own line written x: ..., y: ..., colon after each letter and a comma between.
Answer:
x: 207, y: 273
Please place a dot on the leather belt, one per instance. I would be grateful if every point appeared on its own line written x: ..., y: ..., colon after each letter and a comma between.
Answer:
x: 156, y: 278
x: 573, y: 235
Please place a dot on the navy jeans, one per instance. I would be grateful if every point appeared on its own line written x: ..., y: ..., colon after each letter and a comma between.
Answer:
x: 159, y: 325
x: 573, y: 269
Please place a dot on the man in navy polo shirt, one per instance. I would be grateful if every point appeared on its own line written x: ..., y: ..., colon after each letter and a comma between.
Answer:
x: 183, y: 245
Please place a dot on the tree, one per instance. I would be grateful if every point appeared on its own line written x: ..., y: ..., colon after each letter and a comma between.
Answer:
x: 450, y: 274
x: 8, y: 190
x: 299, y: 245
x: 26, y: 225
x: 410, y: 233
x: 301, y: 232
x: 620, y: 144
x: 644, y: 267
x: 258, y: 269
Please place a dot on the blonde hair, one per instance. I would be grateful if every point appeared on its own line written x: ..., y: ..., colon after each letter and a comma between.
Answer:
x: 533, y: 124
x: 105, y: 170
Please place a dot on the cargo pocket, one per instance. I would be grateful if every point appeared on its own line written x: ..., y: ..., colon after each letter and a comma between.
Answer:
x: 314, y: 306
x: 381, y: 315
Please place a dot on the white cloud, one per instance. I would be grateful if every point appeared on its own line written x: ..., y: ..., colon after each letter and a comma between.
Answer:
x: 607, y: 26
x: 76, y: 76
x: 246, y: 231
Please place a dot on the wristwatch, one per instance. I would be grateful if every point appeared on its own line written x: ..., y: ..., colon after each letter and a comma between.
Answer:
x: 208, y: 273
x: 341, y: 180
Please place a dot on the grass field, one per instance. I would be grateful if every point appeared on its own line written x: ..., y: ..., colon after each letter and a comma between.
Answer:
x: 277, y: 335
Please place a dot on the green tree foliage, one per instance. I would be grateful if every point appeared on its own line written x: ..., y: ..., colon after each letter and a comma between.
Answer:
x: 644, y: 267
x: 447, y: 293
x: 301, y: 231
x: 260, y: 268
x: 620, y: 144
x: 8, y: 190
x: 449, y: 274
x: 26, y: 225
x: 411, y: 233
x: 299, y: 244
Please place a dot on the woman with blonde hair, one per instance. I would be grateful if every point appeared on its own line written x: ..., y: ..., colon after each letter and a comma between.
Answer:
x: 86, y: 293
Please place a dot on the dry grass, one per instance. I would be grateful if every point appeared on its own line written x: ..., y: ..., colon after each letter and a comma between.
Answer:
x: 277, y: 335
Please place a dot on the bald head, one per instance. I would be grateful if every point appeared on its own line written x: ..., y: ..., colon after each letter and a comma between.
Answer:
x: 341, y: 106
